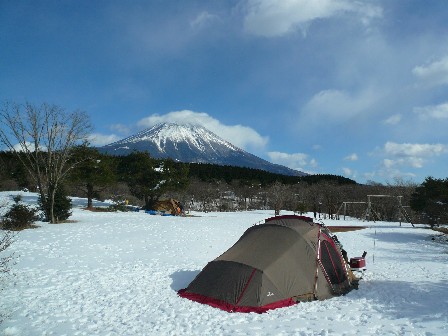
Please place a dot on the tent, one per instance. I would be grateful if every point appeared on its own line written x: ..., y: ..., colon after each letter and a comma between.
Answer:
x: 169, y: 206
x: 286, y: 260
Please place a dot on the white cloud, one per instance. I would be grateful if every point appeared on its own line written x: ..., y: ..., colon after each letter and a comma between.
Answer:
x: 349, y: 173
x: 393, y: 120
x: 336, y: 104
x: 411, y: 161
x: 351, y: 157
x: 369, y: 176
x: 296, y: 161
x: 120, y: 128
x: 414, y: 150
x: 399, y: 157
x: 388, y: 163
x: 435, y: 73
x: 388, y: 173
x: 410, y: 155
x: 433, y: 111
x: 238, y: 135
x: 27, y: 146
x: 203, y: 19
x: 97, y: 139
x: 272, y: 18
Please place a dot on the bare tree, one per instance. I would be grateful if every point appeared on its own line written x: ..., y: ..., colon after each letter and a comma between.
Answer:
x: 205, y: 194
x: 278, y: 193
x: 42, y: 137
x: 6, y: 239
x: 330, y: 197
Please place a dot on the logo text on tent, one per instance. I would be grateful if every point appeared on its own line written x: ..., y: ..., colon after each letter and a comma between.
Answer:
x: 270, y: 294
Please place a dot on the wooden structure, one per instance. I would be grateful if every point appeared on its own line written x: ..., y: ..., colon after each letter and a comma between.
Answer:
x: 402, y: 214
x: 370, y: 213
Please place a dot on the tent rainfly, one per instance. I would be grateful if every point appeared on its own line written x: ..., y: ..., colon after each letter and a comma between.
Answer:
x: 286, y: 260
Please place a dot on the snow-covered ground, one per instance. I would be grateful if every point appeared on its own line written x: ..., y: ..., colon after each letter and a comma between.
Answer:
x: 118, y: 274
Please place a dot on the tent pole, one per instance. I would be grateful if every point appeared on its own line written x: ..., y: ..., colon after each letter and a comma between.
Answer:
x: 316, y: 274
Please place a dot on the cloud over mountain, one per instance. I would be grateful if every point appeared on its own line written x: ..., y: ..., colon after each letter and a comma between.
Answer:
x: 241, y: 136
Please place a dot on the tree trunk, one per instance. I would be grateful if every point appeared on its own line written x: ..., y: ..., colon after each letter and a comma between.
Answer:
x: 45, y: 204
x: 51, y: 194
x: 277, y: 209
x: 89, y: 196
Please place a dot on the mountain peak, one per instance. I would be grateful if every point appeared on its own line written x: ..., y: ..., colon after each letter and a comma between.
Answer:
x: 166, y: 135
x: 191, y: 143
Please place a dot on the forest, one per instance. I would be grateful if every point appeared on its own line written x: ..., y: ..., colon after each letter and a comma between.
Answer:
x: 141, y: 180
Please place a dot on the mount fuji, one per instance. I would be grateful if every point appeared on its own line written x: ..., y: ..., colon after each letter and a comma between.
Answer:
x: 191, y: 144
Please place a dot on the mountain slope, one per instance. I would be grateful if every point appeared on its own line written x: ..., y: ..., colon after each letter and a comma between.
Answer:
x: 191, y: 143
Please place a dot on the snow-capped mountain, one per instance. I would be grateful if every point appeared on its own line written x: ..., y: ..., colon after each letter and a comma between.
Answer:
x: 191, y: 143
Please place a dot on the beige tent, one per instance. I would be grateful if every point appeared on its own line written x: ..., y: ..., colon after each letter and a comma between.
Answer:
x: 286, y: 260
x: 171, y: 206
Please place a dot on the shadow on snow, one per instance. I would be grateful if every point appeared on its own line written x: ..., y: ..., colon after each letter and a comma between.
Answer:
x: 420, y: 301
x: 398, y: 237
x: 181, y: 279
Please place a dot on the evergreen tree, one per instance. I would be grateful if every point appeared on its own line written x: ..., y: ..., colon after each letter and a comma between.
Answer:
x: 149, y: 179
x: 431, y: 198
x: 93, y: 173
x: 61, y: 208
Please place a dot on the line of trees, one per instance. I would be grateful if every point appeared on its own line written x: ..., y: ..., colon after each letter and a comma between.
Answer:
x: 144, y: 180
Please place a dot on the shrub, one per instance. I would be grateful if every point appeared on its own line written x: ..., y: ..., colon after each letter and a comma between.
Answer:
x: 6, y: 261
x: 118, y: 207
x: 19, y: 216
x: 7, y: 238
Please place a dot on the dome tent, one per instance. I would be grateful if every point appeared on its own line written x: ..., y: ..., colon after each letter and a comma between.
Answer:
x: 286, y: 260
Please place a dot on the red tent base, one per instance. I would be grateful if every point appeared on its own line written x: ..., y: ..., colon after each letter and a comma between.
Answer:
x: 232, y: 308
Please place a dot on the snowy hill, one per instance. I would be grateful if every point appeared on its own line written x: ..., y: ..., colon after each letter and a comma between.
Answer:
x: 118, y: 274
x: 191, y: 143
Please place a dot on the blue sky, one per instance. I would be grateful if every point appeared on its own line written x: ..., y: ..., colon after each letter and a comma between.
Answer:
x: 352, y: 88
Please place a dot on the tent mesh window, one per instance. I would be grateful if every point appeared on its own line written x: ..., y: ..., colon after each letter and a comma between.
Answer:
x: 332, y: 263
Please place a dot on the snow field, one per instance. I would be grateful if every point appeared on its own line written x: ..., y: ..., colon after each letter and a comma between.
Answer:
x: 118, y: 274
